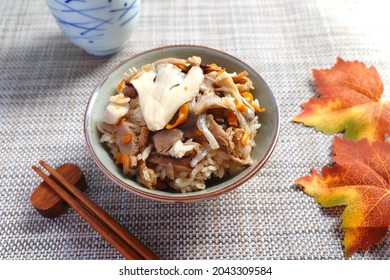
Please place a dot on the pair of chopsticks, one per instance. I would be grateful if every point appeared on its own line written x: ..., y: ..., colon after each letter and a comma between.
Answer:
x: 127, y: 244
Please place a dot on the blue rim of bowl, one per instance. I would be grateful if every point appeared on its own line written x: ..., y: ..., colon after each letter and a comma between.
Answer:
x: 178, y: 197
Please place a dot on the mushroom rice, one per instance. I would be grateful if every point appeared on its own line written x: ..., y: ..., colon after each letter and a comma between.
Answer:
x: 176, y: 123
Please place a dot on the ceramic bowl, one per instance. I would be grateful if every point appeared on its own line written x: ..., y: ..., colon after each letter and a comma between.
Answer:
x: 100, y: 27
x: 266, y: 137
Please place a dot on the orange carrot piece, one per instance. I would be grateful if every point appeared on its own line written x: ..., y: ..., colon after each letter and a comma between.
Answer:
x: 123, y: 159
x: 248, y: 96
x: 245, y: 139
x: 118, y: 158
x: 120, y: 85
x: 198, y: 132
x: 241, y: 107
x: 183, y: 115
x: 126, y: 138
x: 231, y: 118
x: 258, y: 109
x: 126, y: 162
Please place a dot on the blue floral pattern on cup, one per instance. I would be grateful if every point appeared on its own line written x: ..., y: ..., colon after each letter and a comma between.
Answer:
x: 100, y: 27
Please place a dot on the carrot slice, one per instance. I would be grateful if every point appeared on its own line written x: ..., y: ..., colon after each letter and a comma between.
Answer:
x: 183, y: 115
x: 123, y: 159
x: 198, y: 132
x: 118, y: 158
x: 258, y: 109
x: 245, y: 139
x: 126, y: 162
x: 231, y: 118
x: 248, y: 96
x: 120, y: 85
x: 126, y: 138
x: 241, y: 107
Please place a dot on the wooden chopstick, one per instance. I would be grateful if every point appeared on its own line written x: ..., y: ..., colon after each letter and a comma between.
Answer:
x: 127, y: 244
x: 145, y: 252
x: 96, y: 223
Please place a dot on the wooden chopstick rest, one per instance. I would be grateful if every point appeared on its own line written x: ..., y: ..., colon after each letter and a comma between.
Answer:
x: 47, y: 202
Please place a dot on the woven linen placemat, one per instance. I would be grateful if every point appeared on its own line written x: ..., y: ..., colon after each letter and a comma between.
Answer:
x: 45, y: 83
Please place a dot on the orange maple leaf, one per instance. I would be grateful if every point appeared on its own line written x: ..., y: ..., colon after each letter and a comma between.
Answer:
x: 349, y: 101
x: 360, y: 180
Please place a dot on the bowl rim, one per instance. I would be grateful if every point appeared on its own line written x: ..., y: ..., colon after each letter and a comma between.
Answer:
x: 178, y: 198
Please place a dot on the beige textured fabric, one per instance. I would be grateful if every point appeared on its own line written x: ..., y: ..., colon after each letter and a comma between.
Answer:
x: 45, y: 83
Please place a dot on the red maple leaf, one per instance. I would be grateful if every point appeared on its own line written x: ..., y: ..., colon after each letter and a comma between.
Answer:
x: 360, y: 180
x: 349, y: 102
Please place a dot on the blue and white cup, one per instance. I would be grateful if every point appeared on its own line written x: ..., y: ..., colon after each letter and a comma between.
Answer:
x: 100, y: 27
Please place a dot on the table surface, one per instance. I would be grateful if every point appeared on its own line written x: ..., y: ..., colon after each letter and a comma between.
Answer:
x: 46, y: 81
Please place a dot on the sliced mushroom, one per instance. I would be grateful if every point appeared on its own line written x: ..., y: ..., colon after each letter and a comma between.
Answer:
x: 184, y: 68
x: 202, y: 126
x: 226, y: 84
x: 211, y: 68
x: 164, y: 139
x: 170, y: 60
x: 189, y: 126
x: 210, y: 100
x: 179, y: 164
x: 194, y: 60
x: 107, y: 127
x: 242, y: 121
x: 219, y: 134
x: 208, y: 82
x: 240, y: 77
x: 129, y: 91
x: 230, y: 139
x: 242, y: 82
x: 246, y: 86
x: 163, y: 90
